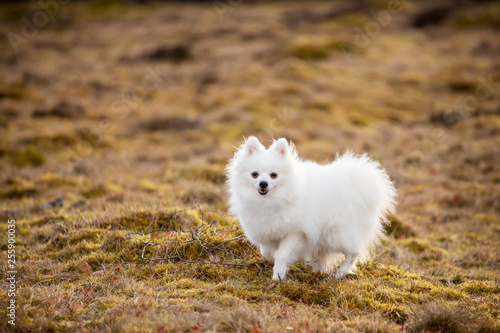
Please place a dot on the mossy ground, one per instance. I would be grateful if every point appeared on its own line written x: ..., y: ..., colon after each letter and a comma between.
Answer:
x: 129, y: 113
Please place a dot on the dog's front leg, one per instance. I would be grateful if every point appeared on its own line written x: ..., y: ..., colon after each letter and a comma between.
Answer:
x: 269, y: 251
x: 289, y: 251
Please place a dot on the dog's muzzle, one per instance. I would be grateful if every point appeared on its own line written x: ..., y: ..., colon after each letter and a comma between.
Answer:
x: 263, y: 188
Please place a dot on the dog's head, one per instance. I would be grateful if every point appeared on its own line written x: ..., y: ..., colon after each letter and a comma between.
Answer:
x: 261, y: 172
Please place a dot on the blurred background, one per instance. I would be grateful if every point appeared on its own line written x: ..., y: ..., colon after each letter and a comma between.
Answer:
x: 115, y: 113
x: 146, y: 100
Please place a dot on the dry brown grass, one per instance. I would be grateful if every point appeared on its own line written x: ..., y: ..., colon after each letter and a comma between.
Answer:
x: 130, y: 113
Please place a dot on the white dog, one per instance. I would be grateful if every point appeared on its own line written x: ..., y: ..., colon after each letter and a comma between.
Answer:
x: 294, y: 209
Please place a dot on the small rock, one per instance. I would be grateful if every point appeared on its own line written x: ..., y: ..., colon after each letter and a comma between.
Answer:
x: 431, y: 16
x: 78, y: 204
x: 56, y: 203
x: 170, y: 124
x: 84, y: 267
x: 98, y: 273
x: 76, y: 306
x: 9, y: 214
x: 175, y: 53
x: 62, y: 110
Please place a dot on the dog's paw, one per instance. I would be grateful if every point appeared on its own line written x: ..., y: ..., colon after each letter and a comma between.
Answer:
x: 279, y: 273
x: 344, y: 275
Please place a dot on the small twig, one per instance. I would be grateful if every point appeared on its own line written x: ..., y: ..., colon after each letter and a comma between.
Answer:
x: 380, y: 257
x: 89, y: 285
x: 197, y: 235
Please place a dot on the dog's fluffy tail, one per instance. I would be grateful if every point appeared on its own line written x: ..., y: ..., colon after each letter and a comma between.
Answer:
x: 372, y: 181
x: 376, y: 190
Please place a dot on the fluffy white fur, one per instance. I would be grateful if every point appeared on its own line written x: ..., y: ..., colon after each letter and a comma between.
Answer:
x: 309, y: 211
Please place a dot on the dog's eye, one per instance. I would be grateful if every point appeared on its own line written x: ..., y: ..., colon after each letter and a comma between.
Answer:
x: 274, y: 175
x: 255, y: 175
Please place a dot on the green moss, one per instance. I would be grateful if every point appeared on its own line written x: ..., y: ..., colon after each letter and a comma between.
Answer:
x: 44, y: 221
x: 96, y: 191
x: 479, y: 287
x: 312, y: 47
x: 149, y: 186
x: 103, y: 9
x: 481, y: 16
x: 18, y: 181
x: 360, y: 119
x: 459, y: 86
x: 399, y: 228
x: 113, y: 241
x: 395, y: 313
x: 75, y: 243
x: 54, y: 142
x: 416, y: 245
x: 303, y: 293
x: 97, y: 259
x: 16, y: 91
x: 13, y: 11
x: 29, y: 156
x: 101, y: 190
x: 151, y: 220
x: 89, y: 235
x: 57, y: 180
x: 486, y: 218
x: 211, y: 172
x: 19, y: 192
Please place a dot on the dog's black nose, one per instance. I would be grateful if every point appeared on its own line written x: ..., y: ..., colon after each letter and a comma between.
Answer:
x: 263, y: 184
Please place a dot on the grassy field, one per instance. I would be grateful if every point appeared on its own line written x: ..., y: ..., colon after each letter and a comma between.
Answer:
x: 117, y: 122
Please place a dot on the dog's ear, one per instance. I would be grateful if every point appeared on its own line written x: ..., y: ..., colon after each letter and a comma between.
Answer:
x: 280, y: 146
x: 253, y: 145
